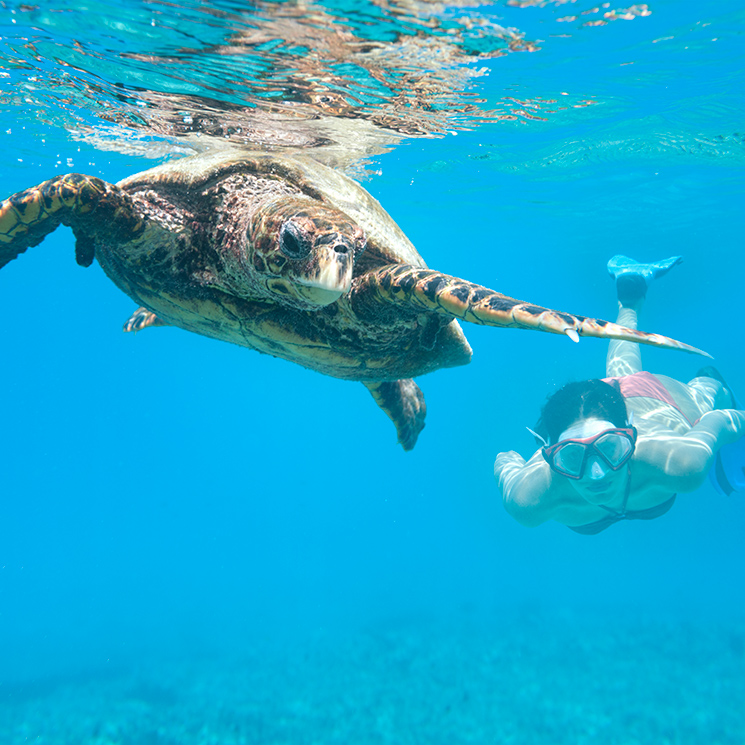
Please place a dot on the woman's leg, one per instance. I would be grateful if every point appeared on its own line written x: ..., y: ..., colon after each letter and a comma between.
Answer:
x: 697, y: 397
x: 632, y: 280
x: 624, y: 357
x: 709, y: 390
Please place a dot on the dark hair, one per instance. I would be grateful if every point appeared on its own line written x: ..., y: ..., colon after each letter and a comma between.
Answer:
x: 581, y: 400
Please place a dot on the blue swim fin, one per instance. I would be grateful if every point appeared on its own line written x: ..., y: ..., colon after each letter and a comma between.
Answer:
x: 727, y: 475
x: 633, y: 278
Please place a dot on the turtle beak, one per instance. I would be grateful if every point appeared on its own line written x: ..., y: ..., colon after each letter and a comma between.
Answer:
x: 328, y: 273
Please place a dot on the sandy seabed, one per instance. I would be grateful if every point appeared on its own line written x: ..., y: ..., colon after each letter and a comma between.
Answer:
x: 532, y: 680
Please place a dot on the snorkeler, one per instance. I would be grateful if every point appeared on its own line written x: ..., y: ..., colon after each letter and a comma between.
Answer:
x: 621, y: 448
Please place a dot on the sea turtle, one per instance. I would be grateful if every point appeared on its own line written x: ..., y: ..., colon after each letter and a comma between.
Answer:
x: 286, y: 256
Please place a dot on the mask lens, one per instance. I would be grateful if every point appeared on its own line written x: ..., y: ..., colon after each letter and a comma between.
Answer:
x: 614, y: 448
x: 569, y: 458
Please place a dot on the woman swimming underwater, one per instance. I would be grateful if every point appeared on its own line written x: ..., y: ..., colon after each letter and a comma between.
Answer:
x: 623, y: 447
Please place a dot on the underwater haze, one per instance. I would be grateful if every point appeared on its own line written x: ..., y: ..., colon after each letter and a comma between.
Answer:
x: 200, y: 544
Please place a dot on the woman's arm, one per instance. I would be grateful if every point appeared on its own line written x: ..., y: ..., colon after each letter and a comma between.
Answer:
x: 686, y: 460
x: 525, y: 487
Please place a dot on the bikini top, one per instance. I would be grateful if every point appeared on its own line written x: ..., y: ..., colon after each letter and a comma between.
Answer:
x: 650, y: 513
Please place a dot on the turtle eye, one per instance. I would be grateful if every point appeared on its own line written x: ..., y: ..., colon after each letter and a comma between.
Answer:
x: 294, y: 242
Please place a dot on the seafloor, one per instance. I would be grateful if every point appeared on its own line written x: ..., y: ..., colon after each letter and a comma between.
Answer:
x: 530, y: 680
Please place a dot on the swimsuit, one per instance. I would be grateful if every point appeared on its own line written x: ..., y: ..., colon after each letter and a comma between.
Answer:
x: 639, y: 384
x: 650, y: 513
x: 647, y: 385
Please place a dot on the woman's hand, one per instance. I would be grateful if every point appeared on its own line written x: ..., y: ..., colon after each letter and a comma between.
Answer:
x: 525, y: 487
x: 505, y: 460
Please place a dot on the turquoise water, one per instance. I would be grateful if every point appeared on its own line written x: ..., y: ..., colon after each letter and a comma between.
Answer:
x: 199, y: 544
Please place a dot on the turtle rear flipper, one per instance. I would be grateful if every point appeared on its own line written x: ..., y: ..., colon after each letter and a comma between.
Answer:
x: 90, y: 206
x: 403, y: 402
x: 428, y: 290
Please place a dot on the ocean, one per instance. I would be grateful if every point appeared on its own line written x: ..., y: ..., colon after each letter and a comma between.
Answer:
x: 200, y: 544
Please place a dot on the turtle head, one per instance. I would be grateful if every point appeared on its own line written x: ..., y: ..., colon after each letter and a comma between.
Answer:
x: 303, y: 251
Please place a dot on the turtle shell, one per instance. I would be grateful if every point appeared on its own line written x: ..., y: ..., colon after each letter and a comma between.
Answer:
x: 386, y: 242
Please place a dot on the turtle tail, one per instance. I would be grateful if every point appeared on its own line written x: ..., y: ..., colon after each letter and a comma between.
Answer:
x: 440, y: 293
x: 87, y: 204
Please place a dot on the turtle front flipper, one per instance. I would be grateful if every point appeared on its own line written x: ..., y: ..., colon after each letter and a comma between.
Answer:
x: 90, y: 206
x: 403, y: 402
x: 424, y: 289
x: 141, y: 319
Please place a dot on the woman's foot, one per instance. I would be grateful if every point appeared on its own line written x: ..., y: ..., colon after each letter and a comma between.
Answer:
x: 633, y: 278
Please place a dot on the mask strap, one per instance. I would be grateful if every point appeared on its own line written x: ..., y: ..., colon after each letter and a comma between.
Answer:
x: 538, y: 437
